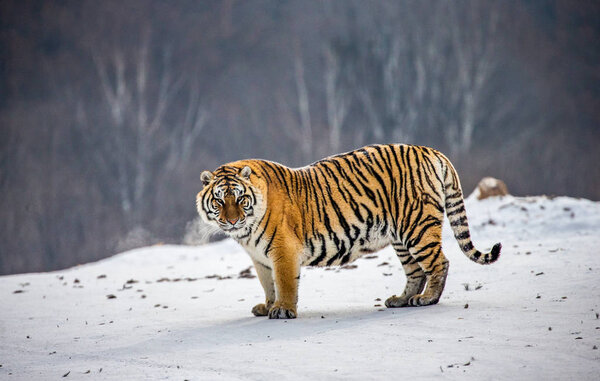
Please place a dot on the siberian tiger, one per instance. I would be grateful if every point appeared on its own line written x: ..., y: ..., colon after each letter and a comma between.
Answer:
x: 338, y: 209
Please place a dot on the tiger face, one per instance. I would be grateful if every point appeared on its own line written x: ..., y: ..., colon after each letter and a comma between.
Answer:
x: 228, y: 199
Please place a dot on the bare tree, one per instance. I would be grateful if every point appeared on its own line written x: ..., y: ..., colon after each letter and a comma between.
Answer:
x: 185, y: 134
x: 306, y: 137
x: 107, y: 118
x: 473, y: 38
x: 427, y: 72
x: 337, y: 99
x: 137, y: 96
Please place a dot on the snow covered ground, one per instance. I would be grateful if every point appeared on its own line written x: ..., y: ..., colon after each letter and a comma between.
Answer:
x: 173, y: 312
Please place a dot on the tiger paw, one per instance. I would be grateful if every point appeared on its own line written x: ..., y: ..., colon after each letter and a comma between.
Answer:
x: 396, y: 301
x: 422, y: 300
x: 260, y: 310
x: 280, y: 312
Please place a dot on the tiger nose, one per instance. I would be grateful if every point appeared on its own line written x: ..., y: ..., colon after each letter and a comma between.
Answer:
x: 233, y: 220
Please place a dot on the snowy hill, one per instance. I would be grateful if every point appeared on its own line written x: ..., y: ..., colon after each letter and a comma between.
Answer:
x: 171, y: 312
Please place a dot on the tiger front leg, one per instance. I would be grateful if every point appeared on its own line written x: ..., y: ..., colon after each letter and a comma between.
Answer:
x: 265, y: 276
x: 286, y: 271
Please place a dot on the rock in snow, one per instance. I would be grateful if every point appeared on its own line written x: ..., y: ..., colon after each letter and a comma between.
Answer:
x: 198, y: 326
x: 490, y: 187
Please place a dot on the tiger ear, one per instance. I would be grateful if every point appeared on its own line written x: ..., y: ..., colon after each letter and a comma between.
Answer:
x: 245, y: 172
x: 205, y: 177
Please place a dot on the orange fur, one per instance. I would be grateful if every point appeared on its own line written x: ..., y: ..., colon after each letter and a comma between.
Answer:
x: 337, y: 209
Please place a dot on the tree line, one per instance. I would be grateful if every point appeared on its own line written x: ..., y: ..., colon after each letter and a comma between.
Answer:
x: 110, y: 110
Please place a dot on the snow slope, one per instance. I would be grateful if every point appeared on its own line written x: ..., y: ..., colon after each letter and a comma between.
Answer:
x: 184, y: 312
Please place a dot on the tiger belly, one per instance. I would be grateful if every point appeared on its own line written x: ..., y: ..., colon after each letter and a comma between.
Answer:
x: 322, y: 251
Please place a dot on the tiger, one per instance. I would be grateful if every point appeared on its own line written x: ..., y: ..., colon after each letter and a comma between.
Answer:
x: 336, y: 210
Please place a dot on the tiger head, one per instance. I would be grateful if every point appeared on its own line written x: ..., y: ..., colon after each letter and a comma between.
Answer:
x: 228, y: 199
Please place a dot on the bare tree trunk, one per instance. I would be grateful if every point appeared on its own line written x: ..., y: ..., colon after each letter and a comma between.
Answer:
x: 137, y: 107
x: 117, y: 98
x: 336, y: 98
x: 303, y: 104
x: 183, y: 138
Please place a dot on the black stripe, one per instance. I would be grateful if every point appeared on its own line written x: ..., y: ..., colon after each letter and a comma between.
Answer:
x: 270, y: 242
x: 356, y: 168
x: 323, y: 253
x: 410, y: 274
x: 349, y: 179
x: 335, y: 180
x: 412, y: 226
x: 421, y: 258
x: 280, y: 174
x: 463, y: 235
x: 341, y: 250
x: 459, y: 210
x: 266, y: 173
x: 424, y: 227
x: 456, y: 194
x: 267, y: 215
x: 462, y: 221
x: 452, y: 205
x: 394, y: 183
x: 409, y: 169
x: 313, y: 191
x: 423, y: 248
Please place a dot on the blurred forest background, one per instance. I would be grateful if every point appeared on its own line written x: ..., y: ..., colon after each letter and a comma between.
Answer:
x: 109, y: 110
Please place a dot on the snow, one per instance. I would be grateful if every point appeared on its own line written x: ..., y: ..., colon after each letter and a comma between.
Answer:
x: 531, y: 315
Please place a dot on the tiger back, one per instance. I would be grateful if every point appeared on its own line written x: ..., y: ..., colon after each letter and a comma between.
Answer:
x: 338, y: 209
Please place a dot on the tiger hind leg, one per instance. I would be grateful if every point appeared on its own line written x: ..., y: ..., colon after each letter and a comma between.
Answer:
x: 415, y: 278
x: 435, y: 266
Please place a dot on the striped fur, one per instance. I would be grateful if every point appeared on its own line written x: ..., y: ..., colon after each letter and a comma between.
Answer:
x: 338, y: 209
